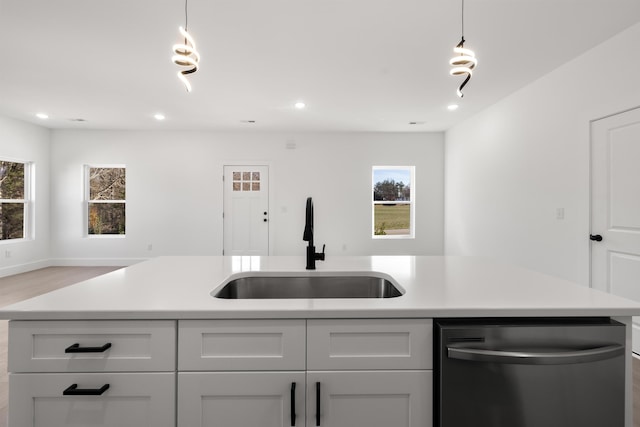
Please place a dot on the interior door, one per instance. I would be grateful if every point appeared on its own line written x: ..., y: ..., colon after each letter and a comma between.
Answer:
x: 615, y: 208
x: 246, y: 210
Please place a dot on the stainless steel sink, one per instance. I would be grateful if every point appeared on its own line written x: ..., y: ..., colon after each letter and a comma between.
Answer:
x: 287, y: 286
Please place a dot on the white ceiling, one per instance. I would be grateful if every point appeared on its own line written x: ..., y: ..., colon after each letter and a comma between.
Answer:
x: 359, y: 65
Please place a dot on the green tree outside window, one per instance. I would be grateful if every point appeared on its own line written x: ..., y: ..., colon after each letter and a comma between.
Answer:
x: 12, y: 200
x: 107, y: 200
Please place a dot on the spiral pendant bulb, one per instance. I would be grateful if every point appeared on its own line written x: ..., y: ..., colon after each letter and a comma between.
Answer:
x: 463, y: 64
x: 186, y: 56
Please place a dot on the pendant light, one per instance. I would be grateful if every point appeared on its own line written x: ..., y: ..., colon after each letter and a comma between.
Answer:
x: 185, y: 54
x: 464, y: 61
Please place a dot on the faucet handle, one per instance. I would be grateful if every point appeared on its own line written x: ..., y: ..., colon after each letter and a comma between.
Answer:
x: 320, y: 256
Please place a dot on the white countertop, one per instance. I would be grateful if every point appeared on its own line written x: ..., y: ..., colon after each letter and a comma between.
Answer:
x: 180, y: 287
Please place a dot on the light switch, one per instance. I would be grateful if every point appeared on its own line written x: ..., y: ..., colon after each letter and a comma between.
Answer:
x: 559, y: 213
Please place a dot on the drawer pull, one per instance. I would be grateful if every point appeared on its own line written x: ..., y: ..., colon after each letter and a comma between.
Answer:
x: 317, y: 403
x: 293, y: 404
x: 73, y: 390
x: 75, y: 348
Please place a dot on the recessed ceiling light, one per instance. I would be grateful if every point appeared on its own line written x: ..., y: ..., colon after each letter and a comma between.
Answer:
x: 159, y: 117
x: 248, y: 121
x: 300, y: 105
x: 42, y: 116
x: 452, y: 107
x: 417, y: 123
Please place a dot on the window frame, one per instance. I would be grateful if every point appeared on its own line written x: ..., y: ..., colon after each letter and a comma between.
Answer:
x: 28, y: 220
x: 411, y: 202
x: 87, y: 201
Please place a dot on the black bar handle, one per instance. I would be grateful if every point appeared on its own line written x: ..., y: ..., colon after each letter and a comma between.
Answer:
x: 73, y: 390
x: 75, y: 348
x: 318, y: 403
x: 595, y: 237
x: 293, y: 404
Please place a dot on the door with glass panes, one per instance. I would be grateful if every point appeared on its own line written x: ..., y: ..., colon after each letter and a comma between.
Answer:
x: 246, y: 210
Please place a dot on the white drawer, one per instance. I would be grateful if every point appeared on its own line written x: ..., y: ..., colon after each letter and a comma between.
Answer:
x: 241, y: 345
x: 132, y: 399
x: 355, y: 344
x: 65, y: 346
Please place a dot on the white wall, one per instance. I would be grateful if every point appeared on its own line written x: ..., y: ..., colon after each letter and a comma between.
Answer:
x: 508, y: 168
x: 174, y: 190
x: 25, y: 142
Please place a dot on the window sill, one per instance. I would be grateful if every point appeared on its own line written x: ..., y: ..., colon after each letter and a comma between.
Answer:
x: 393, y: 237
x: 9, y: 241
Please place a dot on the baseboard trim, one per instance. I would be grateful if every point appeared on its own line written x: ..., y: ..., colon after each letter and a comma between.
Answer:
x: 95, y: 262
x: 24, y: 268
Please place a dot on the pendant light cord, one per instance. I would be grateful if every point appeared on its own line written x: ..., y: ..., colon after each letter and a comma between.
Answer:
x: 461, y: 44
x: 462, y: 26
x: 186, y: 16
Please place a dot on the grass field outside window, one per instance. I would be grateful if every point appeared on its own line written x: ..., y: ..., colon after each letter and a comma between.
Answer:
x: 393, y: 201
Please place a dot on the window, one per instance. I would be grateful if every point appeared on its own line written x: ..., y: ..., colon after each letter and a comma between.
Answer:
x: 246, y: 181
x: 14, y: 200
x: 393, y: 201
x: 106, y: 200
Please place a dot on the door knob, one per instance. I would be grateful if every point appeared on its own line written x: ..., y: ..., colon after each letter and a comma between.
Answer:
x: 595, y: 237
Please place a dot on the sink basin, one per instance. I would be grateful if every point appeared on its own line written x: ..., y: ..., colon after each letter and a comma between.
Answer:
x: 326, y: 286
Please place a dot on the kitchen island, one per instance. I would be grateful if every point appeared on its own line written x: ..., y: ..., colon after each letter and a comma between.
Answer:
x: 140, y: 330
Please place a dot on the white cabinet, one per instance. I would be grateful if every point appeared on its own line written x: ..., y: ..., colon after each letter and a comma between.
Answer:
x: 92, y: 346
x: 241, y: 373
x: 92, y: 373
x: 277, y: 399
x: 131, y: 399
x: 368, y: 372
x: 369, y: 398
x: 369, y: 344
x: 241, y: 399
x: 221, y: 373
x: 241, y: 345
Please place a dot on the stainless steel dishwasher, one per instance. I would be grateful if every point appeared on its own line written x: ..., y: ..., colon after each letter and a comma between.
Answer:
x: 530, y: 373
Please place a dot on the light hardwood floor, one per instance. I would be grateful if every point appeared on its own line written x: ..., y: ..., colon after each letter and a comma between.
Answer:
x: 27, y: 285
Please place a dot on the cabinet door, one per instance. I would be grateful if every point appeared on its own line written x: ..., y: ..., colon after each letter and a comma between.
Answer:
x: 369, y: 399
x: 241, y: 399
x: 132, y: 399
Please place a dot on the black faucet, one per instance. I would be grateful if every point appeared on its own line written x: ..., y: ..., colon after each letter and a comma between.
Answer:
x: 312, y: 255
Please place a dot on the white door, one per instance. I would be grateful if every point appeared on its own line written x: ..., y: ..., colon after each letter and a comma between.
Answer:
x: 241, y: 399
x: 615, y: 208
x: 369, y: 398
x: 246, y: 210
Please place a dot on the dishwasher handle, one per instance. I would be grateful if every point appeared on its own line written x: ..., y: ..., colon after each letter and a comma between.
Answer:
x: 536, y: 358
